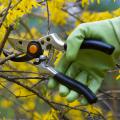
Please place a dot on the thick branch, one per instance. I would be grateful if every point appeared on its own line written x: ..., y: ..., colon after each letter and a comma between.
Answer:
x: 9, y: 57
x: 9, y: 29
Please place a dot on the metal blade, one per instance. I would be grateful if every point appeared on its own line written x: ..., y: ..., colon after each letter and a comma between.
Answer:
x: 19, y: 44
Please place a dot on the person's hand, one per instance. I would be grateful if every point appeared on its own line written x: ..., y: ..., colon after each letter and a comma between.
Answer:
x: 86, y: 65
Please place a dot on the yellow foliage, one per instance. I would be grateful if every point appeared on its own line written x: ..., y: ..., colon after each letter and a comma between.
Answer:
x: 85, y: 2
x: 116, y: 12
x: 29, y: 104
x: 2, y: 7
x: 35, y: 34
x: 21, y: 9
x: 50, y: 115
x: 59, y: 99
x: 58, y: 56
x: 3, y: 82
x: 25, y: 67
x: 70, y: 0
x: 24, y: 7
x: 94, y: 109
x: 118, y: 77
x: 32, y: 81
x: 6, y: 103
x: 75, y: 103
x: 2, y: 32
x: 19, y: 91
x: 55, y: 8
x: 95, y: 16
x: 79, y: 114
x: 110, y: 116
x: 75, y: 115
x: 36, y: 116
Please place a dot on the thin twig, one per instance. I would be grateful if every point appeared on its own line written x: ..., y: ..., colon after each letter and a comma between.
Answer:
x: 39, y: 95
x: 5, y: 15
x: 108, y: 93
x: 43, y: 80
x: 26, y: 28
x: 7, y: 89
x: 77, y: 108
x: 16, y: 4
x: 48, y: 17
x: 9, y: 57
x: 37, y: 15
x: 43, y: 98
x: 77, y: 18
x: 16, y: 102
x: 25, y: 96
x: 18, y: 71
x: 3, y: 12
x: 24, y: 77
x: 41, y: 2
x: 29, y: 89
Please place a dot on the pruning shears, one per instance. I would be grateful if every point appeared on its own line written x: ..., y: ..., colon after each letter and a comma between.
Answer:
x: 34, y: 49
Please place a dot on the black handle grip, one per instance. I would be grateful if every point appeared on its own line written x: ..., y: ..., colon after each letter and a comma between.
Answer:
x: 97, y: 45
x: 76, y: 86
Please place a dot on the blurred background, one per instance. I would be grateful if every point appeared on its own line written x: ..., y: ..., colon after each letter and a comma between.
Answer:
x: 23, y: 87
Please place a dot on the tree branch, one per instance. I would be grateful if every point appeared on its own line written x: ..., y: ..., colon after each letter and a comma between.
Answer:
x: 48, y: 17
x: 9, y: 57
x: 29, y: 89
x: 5, y: 15
x: 9, y: 29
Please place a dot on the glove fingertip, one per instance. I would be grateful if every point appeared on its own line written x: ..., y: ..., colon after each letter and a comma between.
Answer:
x: 83, y: 101
x: 72, y: 96
x: 63, y: 90
x: 71, y: 54
x: 52, y: 83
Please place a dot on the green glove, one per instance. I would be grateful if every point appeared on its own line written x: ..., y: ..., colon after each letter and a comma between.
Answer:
x: 86, y: 65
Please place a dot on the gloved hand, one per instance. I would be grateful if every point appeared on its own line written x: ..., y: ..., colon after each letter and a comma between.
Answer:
x: 86, y: 65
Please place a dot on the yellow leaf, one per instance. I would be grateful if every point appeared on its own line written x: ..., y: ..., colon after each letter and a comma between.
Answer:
x: 110, y: 116
x: 37, y: 116
x: 29, y: 105
x: 118, y: 77
x: 6, y: 103
x: 75, y: 115
x: 94, y: 109
x: 50, y: 115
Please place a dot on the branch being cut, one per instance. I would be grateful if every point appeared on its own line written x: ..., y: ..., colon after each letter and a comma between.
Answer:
x: 9, y: 57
